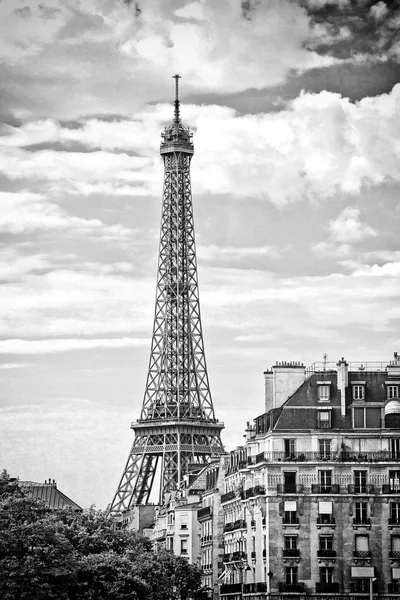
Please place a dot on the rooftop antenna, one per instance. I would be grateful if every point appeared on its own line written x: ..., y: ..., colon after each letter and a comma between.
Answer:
x: 325, y: 359
x: 176, y: 103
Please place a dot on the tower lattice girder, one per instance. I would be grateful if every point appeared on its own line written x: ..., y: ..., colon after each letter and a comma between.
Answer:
x: 177, y: 425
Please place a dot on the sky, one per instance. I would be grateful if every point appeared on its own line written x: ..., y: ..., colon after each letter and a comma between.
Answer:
x: 295, y: 110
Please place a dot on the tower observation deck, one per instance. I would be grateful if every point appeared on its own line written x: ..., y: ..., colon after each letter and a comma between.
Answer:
x: 177, y: 428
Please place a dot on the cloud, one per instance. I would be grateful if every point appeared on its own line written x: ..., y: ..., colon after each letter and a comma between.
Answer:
x: 320, y: 144
x: 230, y: 254
x: 347, y: 228
x: 378, y: 11
x: 25, y: 212
x: 18, y: 346
x: 96, y: 50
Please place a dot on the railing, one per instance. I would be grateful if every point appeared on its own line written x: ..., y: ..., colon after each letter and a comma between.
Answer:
x: 239, y: 555
x: 291, y: 587
x: 325, y: 520
x: 289, y: 488
x: 239, y: 524
x: 253, y: 554
x: 317, y: 488
x: 254, y: 588
x: 357, y: 521
x: 394, y: 587
x: 327, y: 588
x: 290, y: 552
x: 227, y: 558
x: 362, y: 554
x: 342, y: 456
x: 394, y: 521
x: 290, y: 520
x: 228, y: 496
x: 360, y: 489
x: 231, y: 588
x: 228, y: 527
x: 369, y: 366
x: 204, y: 512
x: 206, y: 538
x: 394, y: 554
x: 325, y: 553
x: 390, y: 489
x: 258, y: 490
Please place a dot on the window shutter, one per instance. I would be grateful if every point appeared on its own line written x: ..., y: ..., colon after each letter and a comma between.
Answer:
x: 325, y: 508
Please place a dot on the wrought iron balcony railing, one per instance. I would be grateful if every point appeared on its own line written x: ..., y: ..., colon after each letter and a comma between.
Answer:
x: 387, y: 488
x: 239, y: 555
x: 362, y: 554
x: 289, y: 552
x: 228, y: 496
x: 325, y: 520
x: 325, y: 553
x: 322, y: 587
x: 289, y: 488
x: 394, y: 587
x: 361, y: 521
x: 291, y: 587
x: 231, y: 588
x: 258, y: 490
x: 357, y: 457
x: 395, y: 521
x: 254, y: 588
x: 394, y: 554
x: 317, y: 488
x: 290, y: 520
x: 204, y: 512
x: 360, y: 489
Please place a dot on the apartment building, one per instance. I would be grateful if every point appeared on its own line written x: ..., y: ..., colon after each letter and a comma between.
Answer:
x: 311, y: 503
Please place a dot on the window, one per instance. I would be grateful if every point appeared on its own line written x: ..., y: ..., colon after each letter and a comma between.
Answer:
x: 360, y: 482
x: 184, y: 546
x: 395, y: 512
x: 324, y: 419
x: 394, y: 481
x: 184, y: 521
x: 290, y: 542
x: 392, y: 391
x: 324, y: 448
x: 291, y: 575
x: 326, y: 574
x: 323, y: 392
x: 362, y: 546
x: 325, y: 510
x: 289, y: 445
x: 361, y: 512
x: 290, y: 512
x: 325, y: 481
x: 395, y: 546
x: 289, y: 485
x: 395, y: 448
x: 358, y: 392
x: 326, y: 542
x: 367, y: 418
x: 170, y: 518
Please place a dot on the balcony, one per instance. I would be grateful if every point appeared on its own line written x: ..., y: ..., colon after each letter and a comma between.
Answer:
x: 364, y: 554
x: 317, y: 488
x: 228, y: 496
x: 394, y: 554
x: 360, y: 489
x: 362, y: 586
x: 291, y: 587
x: 239, y: 555
x: 394, y: 587
x: 357, y: 522
x: 228, y: 527
x: 227, y: 558
x: 390, y: 489
x: 289, y: 488
x: 231, y: 588
x: 258, y: 490
x: 239, y: 524
x: 253, y: 555
x: 290, y: 552
x: 322, y: 587
x: 204, y: 512
x: 254, y: 588
x: 290, y: 520
x: 394, y: 522
x: 355, y: 457
x: 325, y: 553
x: 326, y: 520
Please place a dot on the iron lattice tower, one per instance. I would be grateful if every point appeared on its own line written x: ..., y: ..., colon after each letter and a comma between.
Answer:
x: 177, y: 426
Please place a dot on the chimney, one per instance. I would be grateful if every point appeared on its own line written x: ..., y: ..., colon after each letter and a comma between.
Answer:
x: 282, y: 381
x: 342, y: 383
x: 393, y: 368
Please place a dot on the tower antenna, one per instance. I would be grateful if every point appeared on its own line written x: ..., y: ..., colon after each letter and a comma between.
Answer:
x: 176, y: 102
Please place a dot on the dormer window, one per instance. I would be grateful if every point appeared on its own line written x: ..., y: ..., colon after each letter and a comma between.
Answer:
x: 324, y: 419
x: 392, y: 391
x: 323, y: 391
x: 359, y: 390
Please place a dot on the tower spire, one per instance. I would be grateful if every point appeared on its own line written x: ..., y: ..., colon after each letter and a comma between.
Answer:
x: 177, y: 431
x: 176, y: 102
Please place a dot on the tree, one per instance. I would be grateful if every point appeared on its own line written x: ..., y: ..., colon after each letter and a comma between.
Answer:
x: 67, y: 555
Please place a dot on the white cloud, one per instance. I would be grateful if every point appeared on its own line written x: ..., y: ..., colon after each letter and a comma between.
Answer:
x: 319, y: 145
x: 24, y: 212
x: 347, y: 228
x: 234, y: 254
x: 18, y: 346
x: 379, y: 10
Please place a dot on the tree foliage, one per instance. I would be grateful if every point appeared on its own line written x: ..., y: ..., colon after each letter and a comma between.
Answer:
x: 67, y: 555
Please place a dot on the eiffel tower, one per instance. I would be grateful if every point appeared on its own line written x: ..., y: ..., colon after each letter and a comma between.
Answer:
x: 177, y: 429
